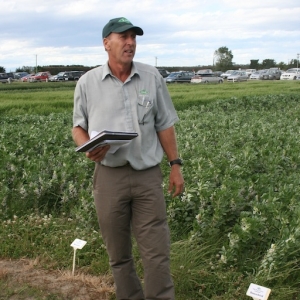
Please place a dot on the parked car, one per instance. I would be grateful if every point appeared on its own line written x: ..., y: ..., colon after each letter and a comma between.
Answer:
x: 6, y: 77
x: 180, y: 77
x: 250, y: 72
x: 206, y: 78
x: 164, y: 73
x: 226, y: 74
x: 237, y: 76
x: 57, y: 77
x: 39, y: 77
x: 19, y: 75
x: 277, y: 74
x: 67, y: 75
x: 272, y: 74
x: 290, y: 74
x: 73, y: 75
x: 257, y: 75
x: 265, y: 74
x: 25, y: 78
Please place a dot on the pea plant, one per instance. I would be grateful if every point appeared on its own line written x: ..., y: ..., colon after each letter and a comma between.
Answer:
x: 241, y: 168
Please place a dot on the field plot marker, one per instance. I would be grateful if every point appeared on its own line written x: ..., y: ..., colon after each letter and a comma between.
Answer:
x: 77, y: 244
x: 258, y: 292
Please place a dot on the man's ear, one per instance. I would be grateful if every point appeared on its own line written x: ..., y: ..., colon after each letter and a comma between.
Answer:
x: 106, y: 44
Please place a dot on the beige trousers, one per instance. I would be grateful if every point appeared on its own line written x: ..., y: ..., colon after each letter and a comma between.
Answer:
x: 128, y: 201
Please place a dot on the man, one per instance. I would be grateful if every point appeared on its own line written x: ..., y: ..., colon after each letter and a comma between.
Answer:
x: 123, y: 95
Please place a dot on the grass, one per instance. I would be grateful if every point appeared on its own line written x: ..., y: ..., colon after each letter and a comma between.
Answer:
x: 24, y: 292
x: 185, y: 95
x: 54, y: 97
x: 35, y: 98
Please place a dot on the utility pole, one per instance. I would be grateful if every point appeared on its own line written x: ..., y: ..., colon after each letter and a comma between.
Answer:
x: 297, y: 59
x: 35, y: 63
x: 155, y: 61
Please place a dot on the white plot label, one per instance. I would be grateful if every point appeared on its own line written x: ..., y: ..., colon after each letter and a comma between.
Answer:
x: 258, y: 292
x: 78, y: 244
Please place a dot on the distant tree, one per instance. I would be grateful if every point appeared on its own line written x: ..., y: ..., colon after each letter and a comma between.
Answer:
x: 268, y: 63
x: 2, y: 69
x: 223, y: 59
x: 293, y: 63
x: 27, y: 69
x: 281, y: 65
x: 254, y: 64
x: 19, y: 70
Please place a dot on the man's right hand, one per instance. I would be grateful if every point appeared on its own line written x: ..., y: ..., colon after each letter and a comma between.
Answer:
x: 97, y: 154
x: 80, y: 136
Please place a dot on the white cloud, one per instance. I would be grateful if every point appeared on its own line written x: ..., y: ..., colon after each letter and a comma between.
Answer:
x: 177, y: 32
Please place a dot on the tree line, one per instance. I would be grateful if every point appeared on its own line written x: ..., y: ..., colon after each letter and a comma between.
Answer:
x: 53, y: 69
x: 223, y: 60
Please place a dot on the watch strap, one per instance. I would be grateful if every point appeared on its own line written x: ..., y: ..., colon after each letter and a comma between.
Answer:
x: 177, y: 161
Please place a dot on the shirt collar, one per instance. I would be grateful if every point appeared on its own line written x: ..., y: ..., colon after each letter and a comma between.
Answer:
x: 107, y: 71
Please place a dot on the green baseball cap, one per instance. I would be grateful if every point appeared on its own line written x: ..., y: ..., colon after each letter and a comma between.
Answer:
x: 120, y: 25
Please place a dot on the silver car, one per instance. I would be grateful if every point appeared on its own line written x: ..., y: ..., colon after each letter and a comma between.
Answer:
x: 227, y: 73
x: 237, y: 76
x: 258, y: 75
x: 271, y: 74
x: 206, y: 78
x: 180, y: 77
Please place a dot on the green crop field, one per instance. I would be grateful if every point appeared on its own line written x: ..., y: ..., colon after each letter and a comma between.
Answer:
x: 237, y: 223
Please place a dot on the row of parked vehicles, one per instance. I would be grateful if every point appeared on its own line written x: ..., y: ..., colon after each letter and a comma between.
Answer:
x: 202, y: 76
x: 40, y: 76
x: 208, y: 76
x: 252, y: 74
x: 267, y: 74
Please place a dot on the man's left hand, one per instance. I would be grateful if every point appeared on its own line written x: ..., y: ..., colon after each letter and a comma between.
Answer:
x: 176, y: 182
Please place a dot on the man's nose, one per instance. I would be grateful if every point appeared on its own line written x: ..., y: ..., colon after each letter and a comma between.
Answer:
x: 130, y: 40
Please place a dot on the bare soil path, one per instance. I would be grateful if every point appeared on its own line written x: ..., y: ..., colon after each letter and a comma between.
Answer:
x: 17, y: 276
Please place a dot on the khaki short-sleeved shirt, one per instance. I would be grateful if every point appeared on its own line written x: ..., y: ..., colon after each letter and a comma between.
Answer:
x: 141, y: 104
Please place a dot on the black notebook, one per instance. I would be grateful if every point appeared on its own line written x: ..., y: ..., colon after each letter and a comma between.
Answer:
x: 104, y: 138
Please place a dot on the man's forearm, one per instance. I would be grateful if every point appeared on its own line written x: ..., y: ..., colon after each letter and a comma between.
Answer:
x: 80, y: 136
x: 168, y: 141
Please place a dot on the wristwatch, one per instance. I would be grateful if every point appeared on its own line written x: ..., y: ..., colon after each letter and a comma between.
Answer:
x: 177, y: 161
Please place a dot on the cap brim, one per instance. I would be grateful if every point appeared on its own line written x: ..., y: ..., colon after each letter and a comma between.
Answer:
x: 138, y: 30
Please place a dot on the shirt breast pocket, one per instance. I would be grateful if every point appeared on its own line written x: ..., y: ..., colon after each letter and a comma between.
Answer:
x: 144, y: 107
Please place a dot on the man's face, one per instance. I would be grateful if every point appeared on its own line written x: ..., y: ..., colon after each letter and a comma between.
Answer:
x: 121, y: 46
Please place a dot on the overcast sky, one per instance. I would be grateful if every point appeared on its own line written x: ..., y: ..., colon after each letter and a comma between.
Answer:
x: 176, y: 32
